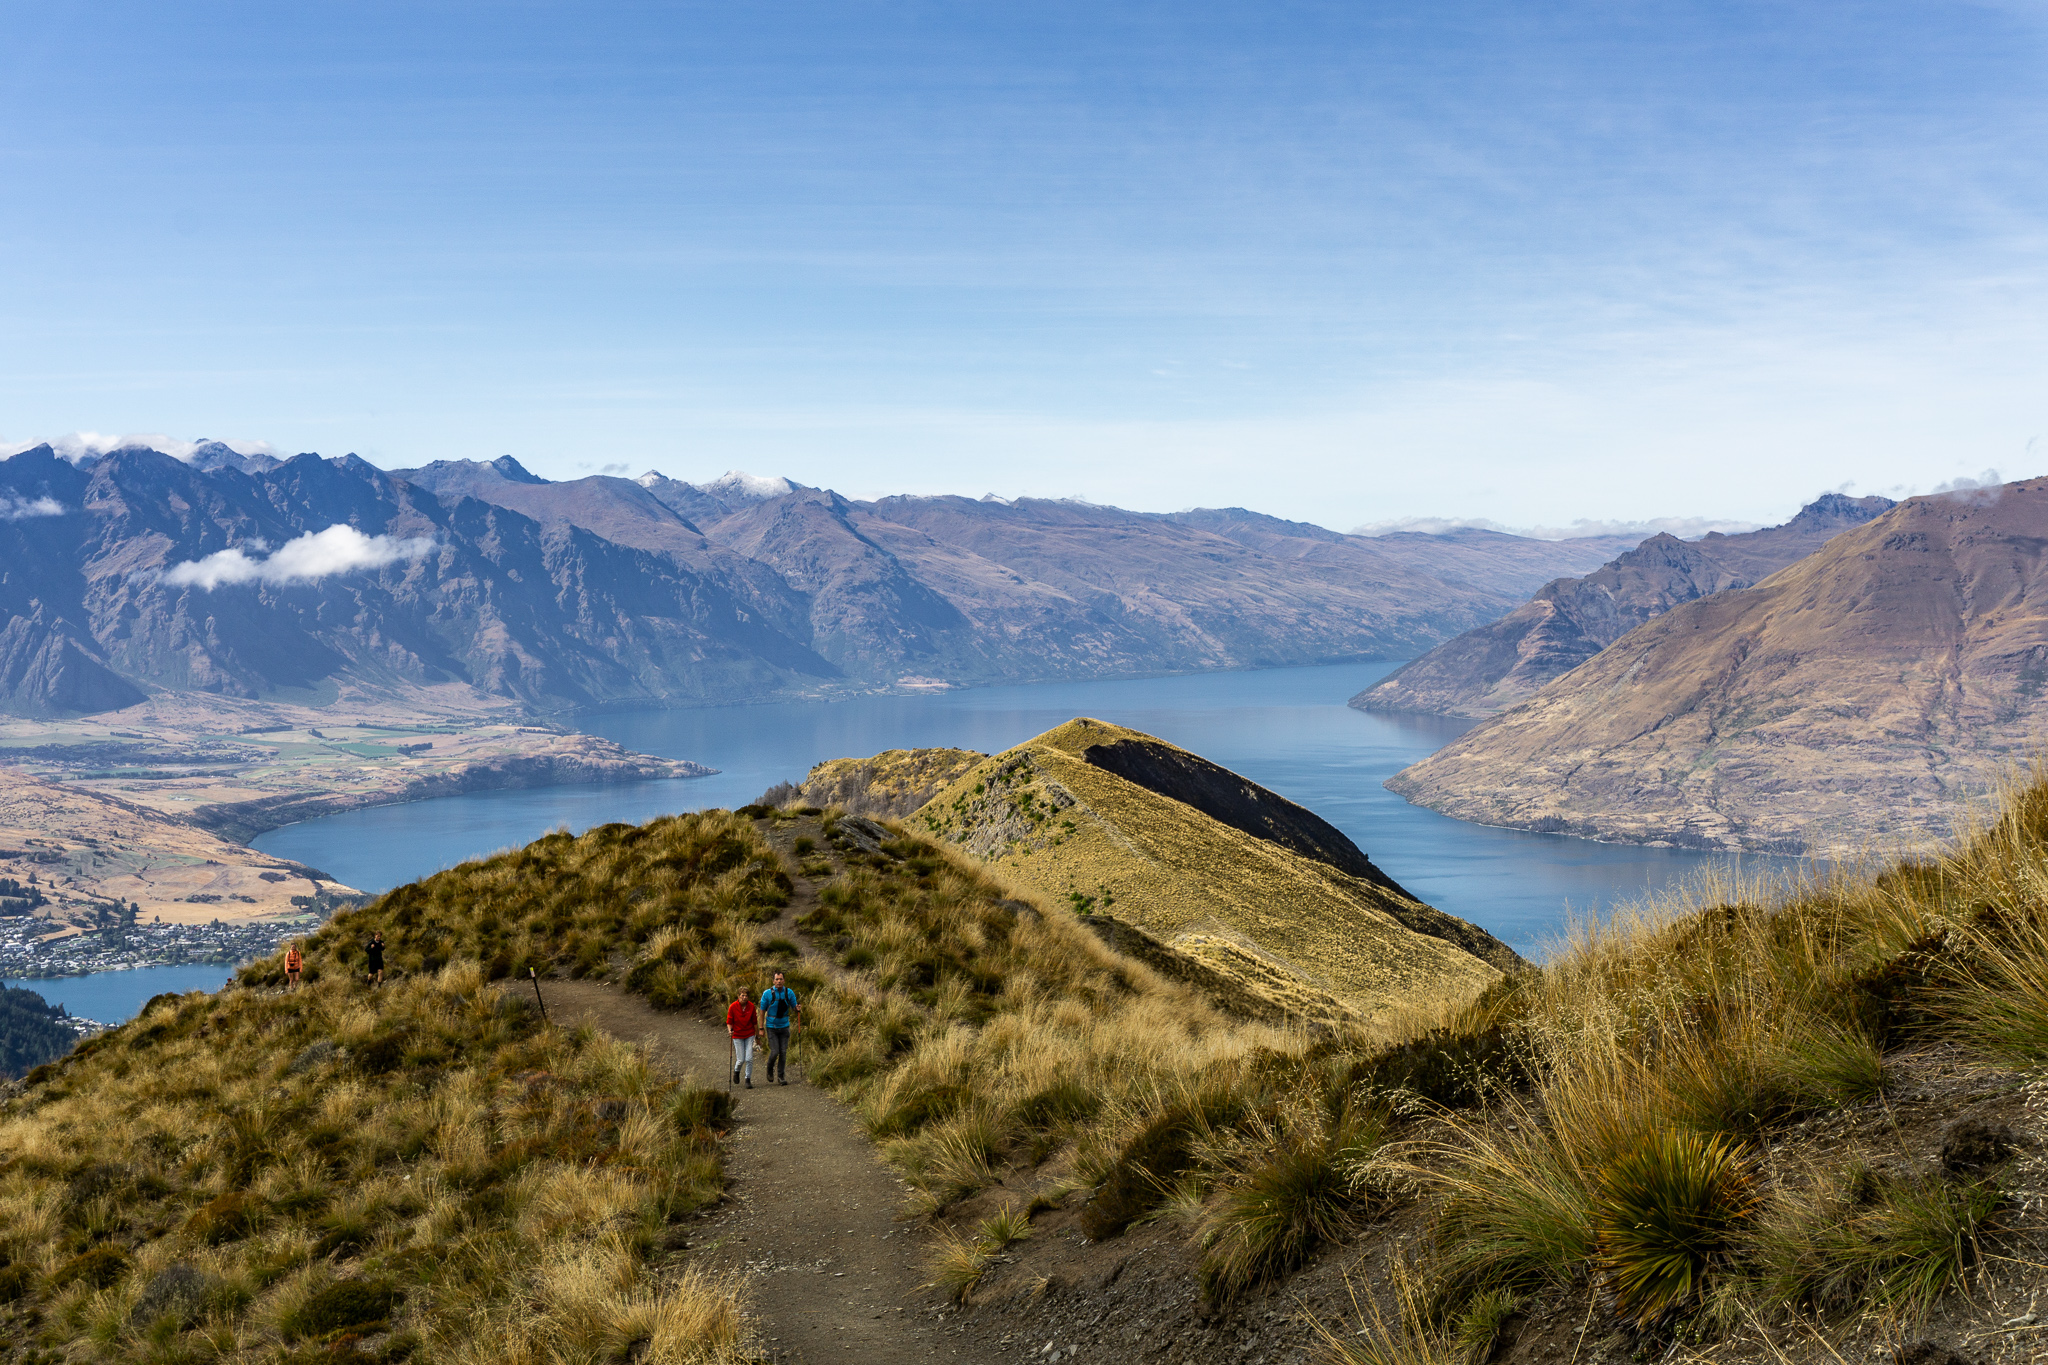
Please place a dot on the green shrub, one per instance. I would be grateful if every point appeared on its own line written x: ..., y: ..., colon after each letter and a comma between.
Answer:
x: 357, y: 1306
x: 1664, y: 1214
x: 225, y: 1218
x: 99, y: 1267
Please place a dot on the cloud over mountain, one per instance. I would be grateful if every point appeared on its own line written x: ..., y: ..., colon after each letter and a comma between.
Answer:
x: 340, y: 548
x: 14, y: 507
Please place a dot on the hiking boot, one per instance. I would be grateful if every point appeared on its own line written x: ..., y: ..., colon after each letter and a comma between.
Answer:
x: 750, y: 1082
x: 735, y: 1075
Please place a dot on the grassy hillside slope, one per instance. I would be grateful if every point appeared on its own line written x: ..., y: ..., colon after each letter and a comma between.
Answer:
x: 1734, y: 1127
x: 1085, y: 838
x: 420, y: 1172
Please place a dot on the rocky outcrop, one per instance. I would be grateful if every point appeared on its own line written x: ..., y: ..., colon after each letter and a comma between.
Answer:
x: 1238, y: 802
x: 1852, y: 702
x: 891, y: 784
x: 1507, y: 661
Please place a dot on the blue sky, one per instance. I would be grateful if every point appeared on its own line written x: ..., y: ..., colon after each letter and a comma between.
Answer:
x: 1344, y: 262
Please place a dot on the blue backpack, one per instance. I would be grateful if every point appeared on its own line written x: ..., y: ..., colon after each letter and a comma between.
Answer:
x: 777, y: 1004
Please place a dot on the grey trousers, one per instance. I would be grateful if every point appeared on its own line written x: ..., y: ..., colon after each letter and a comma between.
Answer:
x: 778, y: 1052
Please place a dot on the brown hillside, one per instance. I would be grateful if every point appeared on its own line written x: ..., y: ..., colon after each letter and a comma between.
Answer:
x: 1857, y: 696
x: 1505, y: 662
x: 1259, y: 890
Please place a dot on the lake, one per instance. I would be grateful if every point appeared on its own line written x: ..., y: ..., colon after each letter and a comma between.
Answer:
x: 115, y: 997
x: 1288, y: 729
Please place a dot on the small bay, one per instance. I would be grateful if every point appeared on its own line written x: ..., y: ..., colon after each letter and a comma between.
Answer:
x: 116, y: 997
x: 1288, y: 729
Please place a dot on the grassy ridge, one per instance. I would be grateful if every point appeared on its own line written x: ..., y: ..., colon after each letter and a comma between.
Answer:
x: 419, y: 1172
x: 1081, y: 836
x: 966, y: 1028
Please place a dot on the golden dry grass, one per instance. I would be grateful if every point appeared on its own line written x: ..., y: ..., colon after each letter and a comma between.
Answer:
x: 1081, y: 837
x: 296, y: 1156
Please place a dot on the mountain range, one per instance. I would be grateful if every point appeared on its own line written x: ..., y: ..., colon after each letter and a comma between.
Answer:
x: 226, y: 573
x: 1505, y: 662
x: 1856, y: 699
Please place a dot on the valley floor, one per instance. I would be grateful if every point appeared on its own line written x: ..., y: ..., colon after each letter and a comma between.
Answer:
x: 152, y: 806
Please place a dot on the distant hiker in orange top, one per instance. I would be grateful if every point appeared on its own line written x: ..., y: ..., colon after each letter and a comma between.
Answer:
x: 740, y: 1022
x: 292, y: 963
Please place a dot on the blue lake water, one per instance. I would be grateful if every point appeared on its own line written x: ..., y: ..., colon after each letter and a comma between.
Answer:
x: 115, y: 997
x: 1286, y: 728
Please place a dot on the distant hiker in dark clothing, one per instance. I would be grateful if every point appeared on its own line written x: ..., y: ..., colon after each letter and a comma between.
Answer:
x: 780, y: 1013
x: 293, y: 962
x: 375, y: 952
x: 741, y: 1022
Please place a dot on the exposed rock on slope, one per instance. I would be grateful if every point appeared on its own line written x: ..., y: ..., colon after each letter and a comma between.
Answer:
x: 892, y: 783
x: 1505, y: 662
x: 1855, y: 698
x: 1242, y: 898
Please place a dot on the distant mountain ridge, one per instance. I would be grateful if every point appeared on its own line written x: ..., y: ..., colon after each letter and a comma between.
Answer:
x: 649, y: 592
x: 1505, y: 662
x: 1853, y: 701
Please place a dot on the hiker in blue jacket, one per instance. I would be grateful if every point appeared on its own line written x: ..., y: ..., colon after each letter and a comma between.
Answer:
x: 780, y: 1013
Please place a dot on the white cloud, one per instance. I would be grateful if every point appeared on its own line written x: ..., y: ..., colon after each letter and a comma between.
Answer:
x: 1685, y: 528
x: 14, y: 507
x: 90, y: 445
x: 318, y: 554
x: 1988, y: 479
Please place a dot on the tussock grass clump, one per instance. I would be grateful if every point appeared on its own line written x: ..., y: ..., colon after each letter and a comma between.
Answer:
x: 1603, y: 1112
x: 231, y: 1174
x: 1143, y: 1174
x: 1304, y: 1185
x: 1665, y: 1212
x: 1870, y: 1237
x: 958, y: 1263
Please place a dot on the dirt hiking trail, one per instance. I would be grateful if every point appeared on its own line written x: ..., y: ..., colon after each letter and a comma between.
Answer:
x: 810, y: 1214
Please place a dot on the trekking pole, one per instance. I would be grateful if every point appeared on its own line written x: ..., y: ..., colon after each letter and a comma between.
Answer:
x: 534, y: 977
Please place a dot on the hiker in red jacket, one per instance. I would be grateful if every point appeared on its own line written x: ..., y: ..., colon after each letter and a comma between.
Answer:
x: 741, y: 1021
